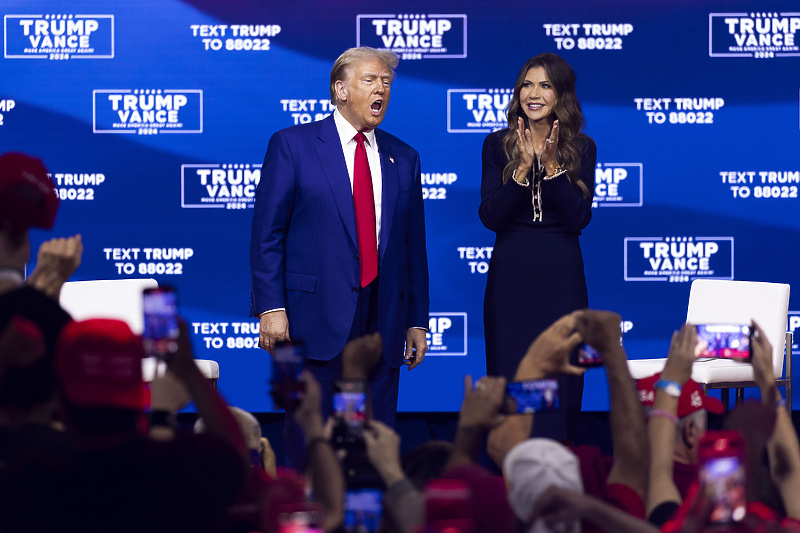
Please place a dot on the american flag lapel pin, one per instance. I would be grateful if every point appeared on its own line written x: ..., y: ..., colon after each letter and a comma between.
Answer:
x: 391, y: 159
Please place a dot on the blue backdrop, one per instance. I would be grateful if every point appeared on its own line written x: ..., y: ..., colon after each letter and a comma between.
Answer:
x: 153, y: 117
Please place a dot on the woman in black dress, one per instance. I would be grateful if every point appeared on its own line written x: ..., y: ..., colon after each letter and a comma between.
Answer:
x: 536, y: 195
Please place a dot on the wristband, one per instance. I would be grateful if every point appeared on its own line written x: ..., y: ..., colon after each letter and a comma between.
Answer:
x: 12, y: 274
x: 161, y: 418
x: 662, y: 414
x: 673, y: 388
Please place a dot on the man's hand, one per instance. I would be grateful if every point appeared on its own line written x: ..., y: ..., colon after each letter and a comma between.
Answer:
x: 416, y: 346
x: 181, y: 363
x: 480, y: 408
x: 762, y: 359
x: 268, y: 459
x: 383, y: 451
x: 681, y: 355
x: 167, y: 393
x: 308, y: 414
x: 549, y: 353
x: 360, y: 356
x: 57, y: 260
x: 599, y: 329
x: 274, y: 327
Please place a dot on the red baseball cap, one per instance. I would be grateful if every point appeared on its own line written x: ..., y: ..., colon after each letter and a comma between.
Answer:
x: 99, y: 364
x: 27, y: 194
x: 691, y: 399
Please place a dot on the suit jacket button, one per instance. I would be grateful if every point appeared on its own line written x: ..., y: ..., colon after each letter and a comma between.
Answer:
x: 355, y: 289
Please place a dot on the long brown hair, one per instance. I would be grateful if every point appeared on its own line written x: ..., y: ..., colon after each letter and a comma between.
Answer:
x: 567, y: 110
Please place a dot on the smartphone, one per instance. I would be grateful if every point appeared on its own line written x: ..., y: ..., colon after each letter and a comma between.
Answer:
x: 300, y: 518
x: 350, y: 412
x: 723, y: 341
x: 588, y: 356
x: 532, y: 396
x: 160, y: 336
x: 288, y: 358
x: 723, y: 474
x: 363, y: 510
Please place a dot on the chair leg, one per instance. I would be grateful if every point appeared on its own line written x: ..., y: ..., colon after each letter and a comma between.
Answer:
x: 787, y: 396
x: 725, y: 399
x: 739, y: 395
x: 789, y: 342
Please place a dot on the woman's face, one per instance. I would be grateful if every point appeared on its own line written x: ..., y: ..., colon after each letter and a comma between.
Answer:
x: 537, y: 96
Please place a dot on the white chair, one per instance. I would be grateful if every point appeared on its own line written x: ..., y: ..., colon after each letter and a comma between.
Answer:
x: 737, y: 302
x: 152, y: 367
x: 120, y: 299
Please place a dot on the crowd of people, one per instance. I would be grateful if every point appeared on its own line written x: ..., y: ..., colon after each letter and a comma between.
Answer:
x: 87, y: 445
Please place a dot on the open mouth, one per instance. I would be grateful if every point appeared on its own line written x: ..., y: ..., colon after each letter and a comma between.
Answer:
x: 376, y: 107
x: 535, y: 107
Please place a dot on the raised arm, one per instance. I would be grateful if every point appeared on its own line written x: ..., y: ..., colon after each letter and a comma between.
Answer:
x: 404, y: 503
x: 210, y: 405
x: 663, y: 418
x: 327, y: 480
x: 479, y: 413
x: 601, y: 330
x: 546, y: 356
x: 782, y: 447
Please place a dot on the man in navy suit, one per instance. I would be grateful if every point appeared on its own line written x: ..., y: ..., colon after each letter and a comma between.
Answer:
x: 307, y: 266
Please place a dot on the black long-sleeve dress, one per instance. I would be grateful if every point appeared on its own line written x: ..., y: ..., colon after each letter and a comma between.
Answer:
x: 536, y: 270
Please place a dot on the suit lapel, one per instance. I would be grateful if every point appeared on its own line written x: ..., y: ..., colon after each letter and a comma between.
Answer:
x: 390, y: 188
x: 329, y: 151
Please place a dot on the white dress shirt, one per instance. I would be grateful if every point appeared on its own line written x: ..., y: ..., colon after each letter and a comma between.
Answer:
x: 346, y: 134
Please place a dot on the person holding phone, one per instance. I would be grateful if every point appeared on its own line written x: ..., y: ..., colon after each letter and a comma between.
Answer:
x: 537, y: 187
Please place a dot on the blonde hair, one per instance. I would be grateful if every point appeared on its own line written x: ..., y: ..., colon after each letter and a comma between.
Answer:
x: 345, y: 63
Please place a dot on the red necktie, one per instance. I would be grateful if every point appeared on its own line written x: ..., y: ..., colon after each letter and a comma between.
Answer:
x: 364, y: 203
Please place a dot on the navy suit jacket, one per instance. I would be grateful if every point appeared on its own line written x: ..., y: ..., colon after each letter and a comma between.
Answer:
x: 304, y: 248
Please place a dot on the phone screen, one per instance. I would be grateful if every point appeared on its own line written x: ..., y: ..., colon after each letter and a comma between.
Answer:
x: 588, y: 356
x: 288, y: 358
x: 723, y: 474
x: 299, y: 521
x: 724, y: 481
x: 363, y: 510
x: 352, y: 408
x: 160, y: 336
x: 723, y: 341
x: 532, y: 396
x: 350, y: 412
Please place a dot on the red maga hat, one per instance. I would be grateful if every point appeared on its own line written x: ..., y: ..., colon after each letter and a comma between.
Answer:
x: 692, y: 397
x: 27, y: 194
x: 99, y: 364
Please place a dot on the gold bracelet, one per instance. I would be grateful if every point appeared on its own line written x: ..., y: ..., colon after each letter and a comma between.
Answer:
x: 556, y: 173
